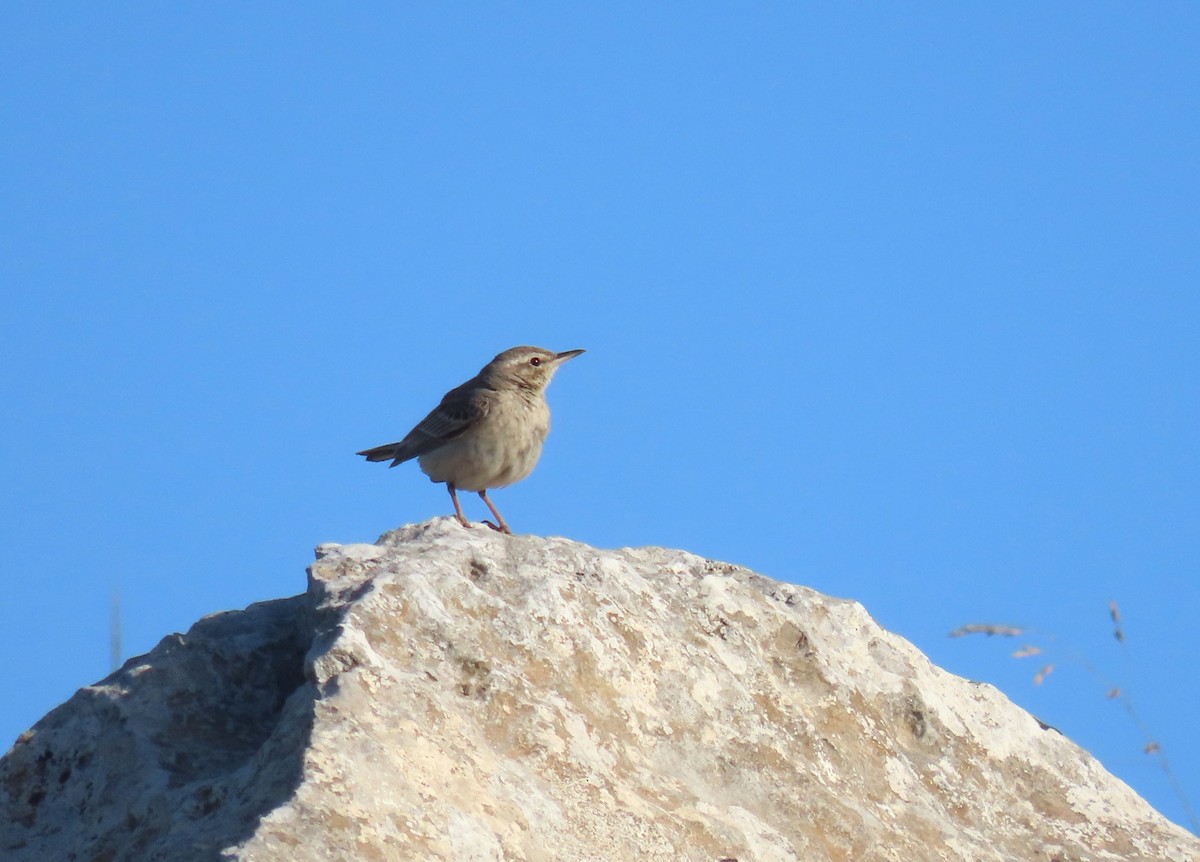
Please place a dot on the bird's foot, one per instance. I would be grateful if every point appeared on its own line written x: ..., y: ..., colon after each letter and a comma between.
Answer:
x: 503, y: 528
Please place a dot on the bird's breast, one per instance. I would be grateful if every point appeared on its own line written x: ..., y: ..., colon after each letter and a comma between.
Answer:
x: 501, y: 449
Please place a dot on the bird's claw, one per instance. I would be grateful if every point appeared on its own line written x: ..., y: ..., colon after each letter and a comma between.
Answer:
x: 501, y: 529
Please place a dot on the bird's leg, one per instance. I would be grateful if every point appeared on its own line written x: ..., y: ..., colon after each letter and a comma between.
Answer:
x: 503, y: 528
x: 457, y: 508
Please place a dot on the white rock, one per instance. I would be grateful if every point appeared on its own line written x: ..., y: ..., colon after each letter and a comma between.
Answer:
x: 462, y: 695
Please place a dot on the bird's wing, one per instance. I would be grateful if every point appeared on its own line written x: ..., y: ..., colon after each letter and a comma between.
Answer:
x: 460, y: 410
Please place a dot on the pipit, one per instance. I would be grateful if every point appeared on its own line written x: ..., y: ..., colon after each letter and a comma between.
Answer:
x: 487, y: 433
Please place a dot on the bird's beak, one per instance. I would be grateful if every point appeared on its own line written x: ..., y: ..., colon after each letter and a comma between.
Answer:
x: 560, y: 358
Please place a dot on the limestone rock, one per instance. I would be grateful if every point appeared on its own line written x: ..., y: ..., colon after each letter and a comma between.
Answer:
x: 449, y: 694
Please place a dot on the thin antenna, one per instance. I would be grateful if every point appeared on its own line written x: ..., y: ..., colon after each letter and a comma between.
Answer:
x: 114, y: 629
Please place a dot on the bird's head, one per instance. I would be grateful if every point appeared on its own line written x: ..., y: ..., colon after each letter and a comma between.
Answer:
x: 525, y: 367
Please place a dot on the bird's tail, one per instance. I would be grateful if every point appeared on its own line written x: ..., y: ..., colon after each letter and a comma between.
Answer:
x: 394, y: 452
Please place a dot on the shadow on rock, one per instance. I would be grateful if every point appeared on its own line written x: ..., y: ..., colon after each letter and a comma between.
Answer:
x: 175, y: 756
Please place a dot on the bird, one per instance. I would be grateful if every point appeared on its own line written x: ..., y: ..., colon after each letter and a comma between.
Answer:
x: 486, y: 433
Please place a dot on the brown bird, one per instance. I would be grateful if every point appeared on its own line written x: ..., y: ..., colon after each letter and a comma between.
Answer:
x: 486, y: 433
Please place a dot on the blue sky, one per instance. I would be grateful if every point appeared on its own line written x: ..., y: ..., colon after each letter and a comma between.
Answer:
x: 898, y: 302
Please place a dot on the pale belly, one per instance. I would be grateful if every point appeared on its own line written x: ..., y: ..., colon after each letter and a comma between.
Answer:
x: 503, y: 451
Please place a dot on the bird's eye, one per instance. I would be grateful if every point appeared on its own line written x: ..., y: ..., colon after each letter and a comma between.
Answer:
x: 536, y: 361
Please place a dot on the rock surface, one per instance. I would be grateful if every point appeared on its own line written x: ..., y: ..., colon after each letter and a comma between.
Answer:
x: 462, y: 695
